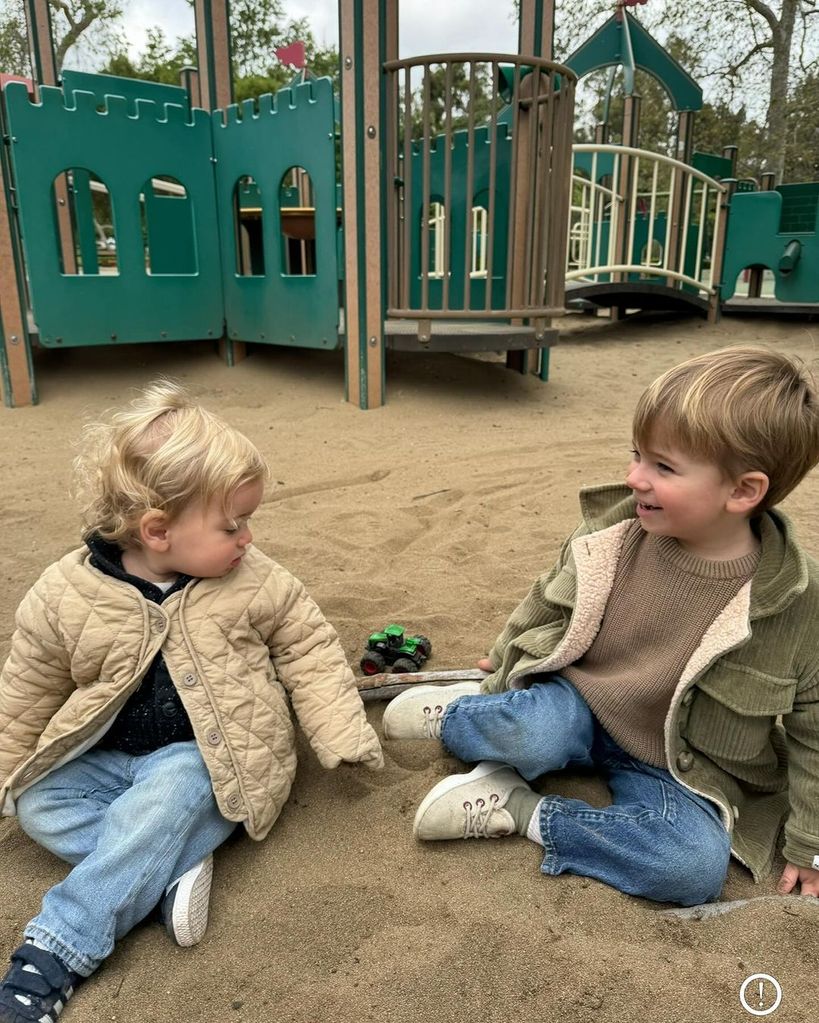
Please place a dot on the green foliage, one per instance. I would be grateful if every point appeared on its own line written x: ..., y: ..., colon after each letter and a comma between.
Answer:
x: 160, y: 61
x: 463, y: 86
x: 254, y: 40
x: 14, y: 58
x: 802, y: 155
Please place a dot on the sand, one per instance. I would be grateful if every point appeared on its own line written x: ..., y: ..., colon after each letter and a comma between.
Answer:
x: 435, y: 511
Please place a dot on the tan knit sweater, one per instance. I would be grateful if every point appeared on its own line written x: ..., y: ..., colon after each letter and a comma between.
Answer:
x: 662, y: 601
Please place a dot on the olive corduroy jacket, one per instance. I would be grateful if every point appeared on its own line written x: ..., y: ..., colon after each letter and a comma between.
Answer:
x: 743, y: 725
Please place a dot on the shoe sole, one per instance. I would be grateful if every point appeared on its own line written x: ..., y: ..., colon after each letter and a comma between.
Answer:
x: 466, y: 689
x: 483, y: 770
x: 191, y: 905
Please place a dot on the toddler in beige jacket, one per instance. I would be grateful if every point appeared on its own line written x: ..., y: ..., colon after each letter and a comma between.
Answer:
x: 145, y: 702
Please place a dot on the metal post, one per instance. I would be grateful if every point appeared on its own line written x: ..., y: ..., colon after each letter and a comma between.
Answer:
x: 368, y: 37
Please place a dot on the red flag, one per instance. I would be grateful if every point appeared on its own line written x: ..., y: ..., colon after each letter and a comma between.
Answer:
x: 292, y: 55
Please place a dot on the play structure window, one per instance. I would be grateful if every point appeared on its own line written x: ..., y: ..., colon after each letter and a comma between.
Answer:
x: 297, y: 211
x: 84, y: 223
x: 248, y: 212
x: 653, y: 257
x: 480, y: 227
x: 436, y: 220
x: 167, y: 227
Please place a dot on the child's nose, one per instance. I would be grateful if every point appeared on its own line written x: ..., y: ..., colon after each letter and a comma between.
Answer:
x: 245, y: 537
x: 634, y: 478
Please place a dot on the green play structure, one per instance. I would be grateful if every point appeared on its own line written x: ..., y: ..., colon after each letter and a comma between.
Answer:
x: 137, y: 212
x: 776, y: 230
x: 134, y: 138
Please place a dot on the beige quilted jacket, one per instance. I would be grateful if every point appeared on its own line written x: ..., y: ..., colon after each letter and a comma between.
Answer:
x: 84, y: 640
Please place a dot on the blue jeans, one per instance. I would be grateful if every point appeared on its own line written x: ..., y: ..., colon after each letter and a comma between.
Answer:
x: 131, y: 826
x: 657, y: 839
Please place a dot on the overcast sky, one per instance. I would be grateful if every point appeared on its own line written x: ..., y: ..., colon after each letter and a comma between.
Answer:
x: 457, y: 24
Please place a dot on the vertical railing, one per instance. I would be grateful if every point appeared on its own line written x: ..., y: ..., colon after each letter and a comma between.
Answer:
x: 667, y: 205
x: 483, y: 130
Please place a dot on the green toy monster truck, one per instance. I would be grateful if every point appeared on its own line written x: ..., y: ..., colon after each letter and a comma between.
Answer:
x: 392, y: 647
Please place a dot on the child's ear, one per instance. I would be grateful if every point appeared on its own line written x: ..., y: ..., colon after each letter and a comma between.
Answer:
x: 153, y: 530
x: 749, y: 489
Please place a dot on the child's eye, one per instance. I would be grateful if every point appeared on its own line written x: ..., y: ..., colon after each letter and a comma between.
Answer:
x: 664, y: 468
x: 635, y: 454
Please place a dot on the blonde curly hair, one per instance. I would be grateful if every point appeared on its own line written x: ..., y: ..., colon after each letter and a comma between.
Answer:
x: 163, y: 451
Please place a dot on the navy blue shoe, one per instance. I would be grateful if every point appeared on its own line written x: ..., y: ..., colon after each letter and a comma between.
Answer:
x: 36, y: 987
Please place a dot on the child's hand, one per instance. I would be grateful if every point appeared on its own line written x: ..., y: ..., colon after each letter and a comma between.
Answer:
x: 793, y: 875
x: 485, y: 664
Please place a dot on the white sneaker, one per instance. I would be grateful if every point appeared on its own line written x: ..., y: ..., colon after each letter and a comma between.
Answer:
x: 186, y: 902
x: 470, y: 805
x: 417, y: 713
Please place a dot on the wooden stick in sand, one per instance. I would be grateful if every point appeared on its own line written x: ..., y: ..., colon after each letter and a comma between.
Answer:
x: 388, y: 684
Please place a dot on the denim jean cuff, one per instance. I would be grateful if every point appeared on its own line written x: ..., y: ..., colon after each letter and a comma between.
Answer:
x: 74, y: 960
x: 549, y: 864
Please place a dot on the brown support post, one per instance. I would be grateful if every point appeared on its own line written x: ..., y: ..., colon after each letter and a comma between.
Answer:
x: 715, y: 300
x: 16, y: 369
x: 41, y: 45
x: 536, y: 28
x: 45, y: 71
x: 214, y: 80
x: 189, y: 80
x: 213, y: 53
x: 535, y: 38
x: 685, y: 145
x: 368, y: 37
x: 631, y: 131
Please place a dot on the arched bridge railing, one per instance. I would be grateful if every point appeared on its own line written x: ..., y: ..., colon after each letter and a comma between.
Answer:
x: 479, y: 154
x: 640, y: 216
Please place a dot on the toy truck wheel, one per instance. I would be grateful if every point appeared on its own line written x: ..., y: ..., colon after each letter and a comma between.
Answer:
x: 372, y: 663
x: 424, y: 645
x: 404, y: 664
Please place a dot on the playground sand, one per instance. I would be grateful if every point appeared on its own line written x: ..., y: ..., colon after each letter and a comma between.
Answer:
x: 435, y: 511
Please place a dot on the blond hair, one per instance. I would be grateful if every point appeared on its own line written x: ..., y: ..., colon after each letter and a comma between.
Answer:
x: 163, y: 451
x: 745, y: 409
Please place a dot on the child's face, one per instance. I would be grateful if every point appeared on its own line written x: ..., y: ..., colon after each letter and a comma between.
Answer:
x: 208, y: 542
x: 683, y: 497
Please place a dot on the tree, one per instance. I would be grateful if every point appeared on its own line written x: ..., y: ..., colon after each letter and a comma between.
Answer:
x: 14, y: 56
x: 72, y: 18
x: 802, y: 162
x: 756, y: 50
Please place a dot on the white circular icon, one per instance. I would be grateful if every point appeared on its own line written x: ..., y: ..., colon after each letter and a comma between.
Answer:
x: 760, y: 994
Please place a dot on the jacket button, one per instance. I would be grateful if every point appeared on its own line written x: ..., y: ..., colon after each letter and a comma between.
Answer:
x: 158, y: 626
x: 214, y: 737
x: 687, y: 698
x: 685, y: 761
x: 735, y: 812
x: 169, y: 709
x: 234, y: 801
x: 189, y: 679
